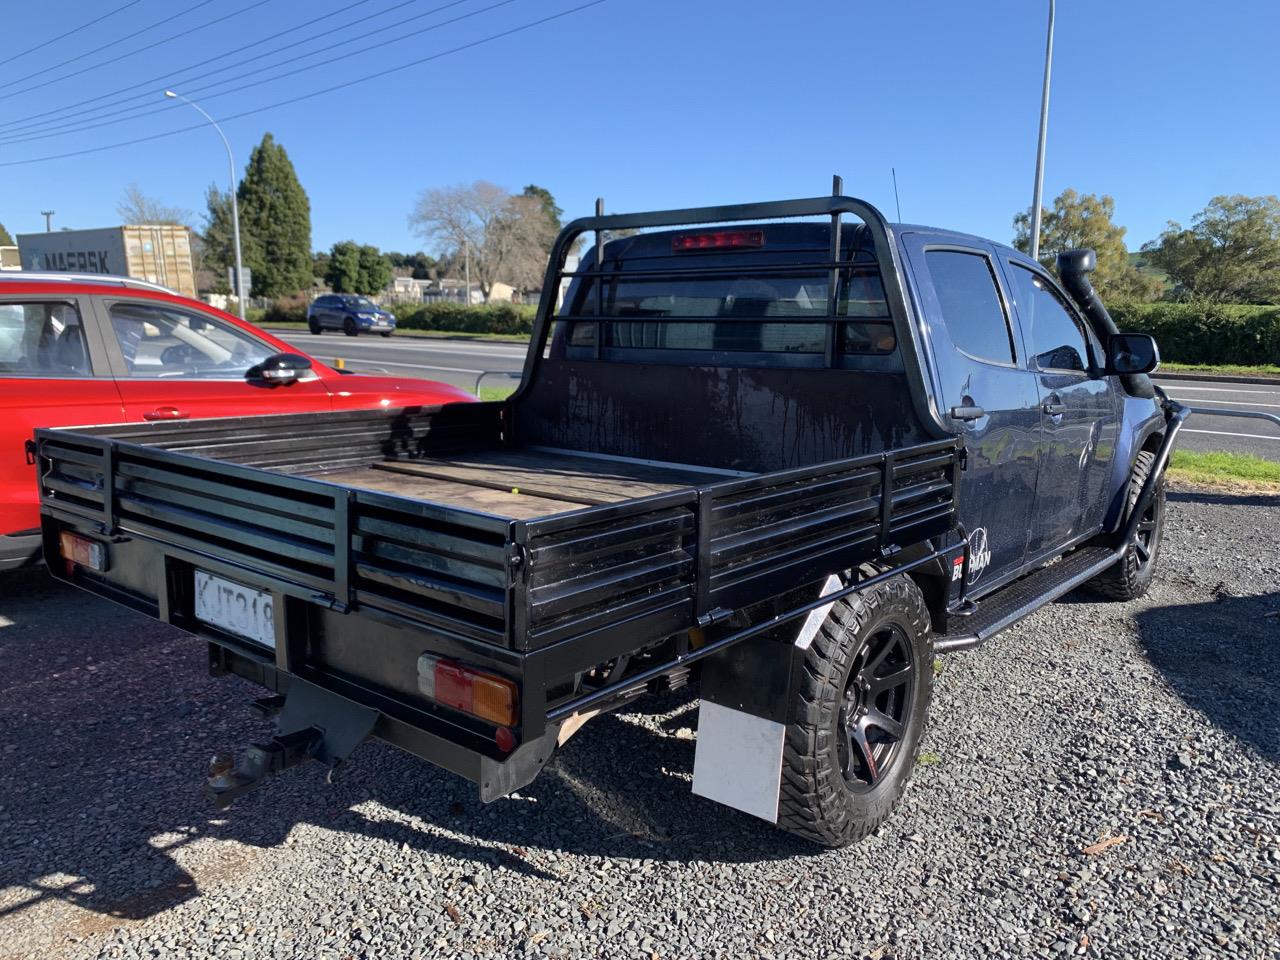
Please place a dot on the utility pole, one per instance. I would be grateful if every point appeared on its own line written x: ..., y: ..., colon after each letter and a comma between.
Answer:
x: 466, y: 257
x: 48, y: 220
x: 1037, y: 194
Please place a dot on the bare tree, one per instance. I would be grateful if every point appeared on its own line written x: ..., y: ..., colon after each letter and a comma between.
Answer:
x: 137, y: 207
x: 508, y: 237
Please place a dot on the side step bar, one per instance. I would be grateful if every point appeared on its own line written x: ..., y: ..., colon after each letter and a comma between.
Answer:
x: 1023, y: 597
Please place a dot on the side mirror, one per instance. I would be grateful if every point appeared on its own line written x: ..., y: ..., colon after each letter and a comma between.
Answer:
x: 1129, y: 353
x: 279, y: 368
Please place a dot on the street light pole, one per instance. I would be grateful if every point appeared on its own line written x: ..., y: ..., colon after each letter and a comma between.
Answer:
x: 235, y: 207
x: 1044, y: 129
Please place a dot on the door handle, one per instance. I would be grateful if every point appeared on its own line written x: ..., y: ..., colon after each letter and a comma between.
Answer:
x: 967, y: 413
x: 166, y: 413
x: 1054, y: 408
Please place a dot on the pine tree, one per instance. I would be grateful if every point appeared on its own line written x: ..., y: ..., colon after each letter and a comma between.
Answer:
x: 5, y: 239
x: 275, y: 212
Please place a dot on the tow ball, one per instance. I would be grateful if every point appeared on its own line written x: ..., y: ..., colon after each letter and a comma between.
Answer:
x: 315, y: 724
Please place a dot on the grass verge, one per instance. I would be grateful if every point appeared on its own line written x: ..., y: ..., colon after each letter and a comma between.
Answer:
x: 1222, y: 369
x: 496, y: 393
x: 1230, y: 471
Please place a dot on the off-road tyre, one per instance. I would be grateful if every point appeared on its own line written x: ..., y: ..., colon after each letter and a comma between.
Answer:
x: 820, y: 800
x: 1131, y: 577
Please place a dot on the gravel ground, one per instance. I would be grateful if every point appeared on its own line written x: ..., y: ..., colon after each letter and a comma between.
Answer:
x: 1103, y: 782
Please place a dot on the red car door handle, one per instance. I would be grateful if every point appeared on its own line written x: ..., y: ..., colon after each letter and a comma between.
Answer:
x: 166, y: 413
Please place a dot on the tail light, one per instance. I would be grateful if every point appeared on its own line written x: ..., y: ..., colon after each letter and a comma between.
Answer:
x: 479, y: 694
x: 82, y: 551
x: 718, y: 240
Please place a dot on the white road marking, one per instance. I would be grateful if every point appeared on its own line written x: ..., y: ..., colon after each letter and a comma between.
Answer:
x: 1227, y: 433
x: 392, y: 363
x: 1238, y: 403
x: 1179, y: 386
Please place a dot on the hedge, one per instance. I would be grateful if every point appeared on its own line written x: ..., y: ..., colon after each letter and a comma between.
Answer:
x: 1210, y: 333
x: 507, y: 318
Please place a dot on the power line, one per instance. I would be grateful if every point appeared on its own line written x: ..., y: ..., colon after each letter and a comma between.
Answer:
x: 63, y: 36
x: 89, y: 53
x: 167, y: 76
x: 131, y: 53
x: 313, y: 94
x: 138, y: 113
x: 61, y: 125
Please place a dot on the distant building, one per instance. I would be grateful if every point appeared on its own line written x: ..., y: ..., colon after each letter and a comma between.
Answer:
x: 9, y: 259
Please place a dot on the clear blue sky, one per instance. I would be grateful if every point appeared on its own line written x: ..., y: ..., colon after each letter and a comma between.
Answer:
x: 659, y: 103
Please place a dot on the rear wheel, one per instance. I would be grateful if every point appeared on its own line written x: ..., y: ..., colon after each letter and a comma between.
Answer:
x: 858, y: 716
x: 349, y: 327
x: 1131, y: 577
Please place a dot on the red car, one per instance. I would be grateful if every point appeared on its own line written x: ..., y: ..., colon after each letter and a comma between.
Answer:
x: 84, y: 349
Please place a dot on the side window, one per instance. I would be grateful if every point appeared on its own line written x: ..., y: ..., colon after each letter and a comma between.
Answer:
x: 970, y: 301
x: 1057, y: 342
x: 42, y: 340
x: 162, y: 341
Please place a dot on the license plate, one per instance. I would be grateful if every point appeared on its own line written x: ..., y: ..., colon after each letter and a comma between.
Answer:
x: 235, y: 608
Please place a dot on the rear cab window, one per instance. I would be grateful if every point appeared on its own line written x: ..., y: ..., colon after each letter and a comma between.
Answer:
x: 767, y: 305
x: 972, y: 309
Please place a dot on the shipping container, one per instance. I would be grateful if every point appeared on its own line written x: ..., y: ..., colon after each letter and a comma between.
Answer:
x: 160, y: 253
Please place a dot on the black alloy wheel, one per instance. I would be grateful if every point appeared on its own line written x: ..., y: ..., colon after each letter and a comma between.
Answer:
x: 875, y: 708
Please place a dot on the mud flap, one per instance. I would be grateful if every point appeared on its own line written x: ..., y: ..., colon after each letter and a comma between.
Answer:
x: 743, y: 716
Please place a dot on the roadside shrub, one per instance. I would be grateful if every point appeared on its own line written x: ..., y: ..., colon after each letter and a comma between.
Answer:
x: 504, y: 318
x: 286, y: 310
x: 1213, y: 333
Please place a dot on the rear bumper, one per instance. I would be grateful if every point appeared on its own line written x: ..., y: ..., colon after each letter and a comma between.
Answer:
x: 19, y: 549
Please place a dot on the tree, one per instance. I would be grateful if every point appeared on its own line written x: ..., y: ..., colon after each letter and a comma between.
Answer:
x: 357, y: 269
x: 1084, y: 220
x: 320, y: 265
x: 218, y: 240
x: 137, y: 207
x: 275, y: 212
x: 344, y: 267
x: 5, y: 239
x: 375, y: 271
x: 547, y: 202
x: 417, y: 265
x: 506, y: 237
x: 1231, y: 252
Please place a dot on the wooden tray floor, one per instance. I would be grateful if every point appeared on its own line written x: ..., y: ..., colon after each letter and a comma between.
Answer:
x: 521, y: 484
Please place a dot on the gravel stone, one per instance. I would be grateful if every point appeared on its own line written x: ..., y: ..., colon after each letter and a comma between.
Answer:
x: 1152, y: 725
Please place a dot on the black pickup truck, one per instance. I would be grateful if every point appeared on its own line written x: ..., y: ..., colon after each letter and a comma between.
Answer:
x: 787, y: 451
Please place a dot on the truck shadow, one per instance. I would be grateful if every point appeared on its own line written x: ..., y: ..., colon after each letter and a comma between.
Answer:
x: 1221, y: 658
x: 109, y: 720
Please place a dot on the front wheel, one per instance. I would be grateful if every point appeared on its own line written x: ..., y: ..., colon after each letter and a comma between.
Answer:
x: 1131, y: 577
x: 386, y: 334
x: 349, y: 327
x: 313, y: 325
x: 858, y: 715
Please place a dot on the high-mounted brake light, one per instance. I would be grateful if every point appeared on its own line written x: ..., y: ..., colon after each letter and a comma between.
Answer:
x: 82, y: 551
x: 718, y: 240
x: 455, y: 685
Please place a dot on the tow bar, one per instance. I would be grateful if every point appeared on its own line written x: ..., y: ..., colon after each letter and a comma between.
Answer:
x: 314, y: 725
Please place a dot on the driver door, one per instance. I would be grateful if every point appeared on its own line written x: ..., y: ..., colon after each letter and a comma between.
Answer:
x: 173, y: 363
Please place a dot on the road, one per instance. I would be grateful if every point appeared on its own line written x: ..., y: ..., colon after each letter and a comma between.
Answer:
x: 460, y: 361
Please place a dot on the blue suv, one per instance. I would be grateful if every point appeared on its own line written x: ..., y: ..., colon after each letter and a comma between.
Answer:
x: 349, y: 313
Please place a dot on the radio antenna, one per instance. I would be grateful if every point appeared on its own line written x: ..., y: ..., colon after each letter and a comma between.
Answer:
x: 896, y: 202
